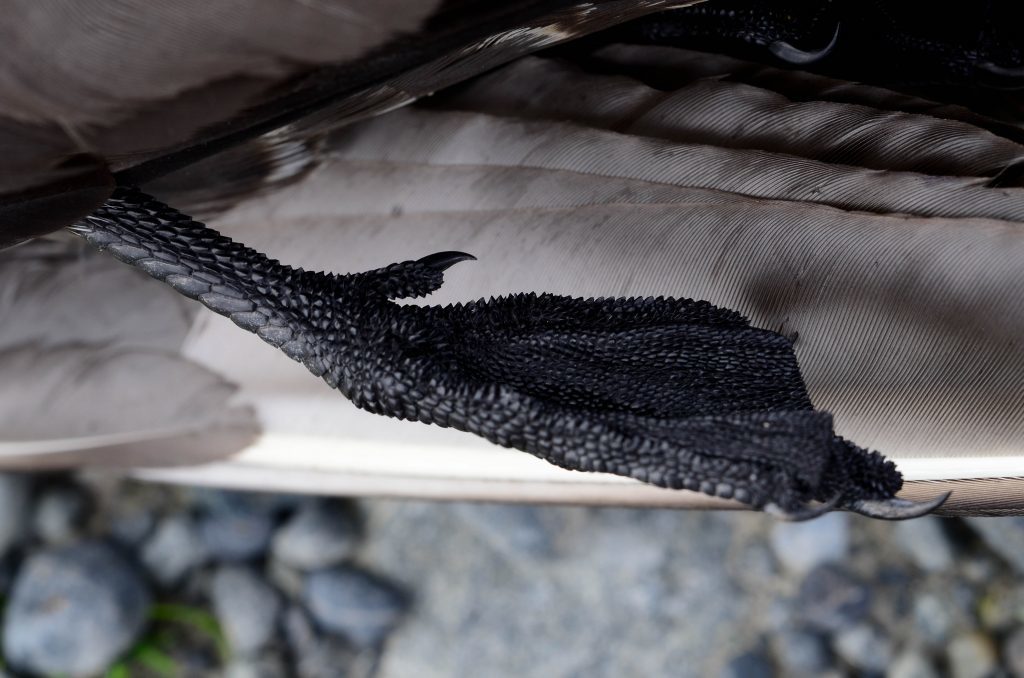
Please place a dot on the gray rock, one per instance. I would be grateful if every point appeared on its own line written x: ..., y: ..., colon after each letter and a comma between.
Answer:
x: 933, y: 619
x: 864, y: 647
x: 971, y: 655
x: 618, y: 580
x: 232, y: 536
x: 801, y: 547
x: 831, y: 599
x: 1004, y: 536
x: 298, y: 629
x: 196, y: 586
x: 1013, y: 652
x: 191, y: 660
x: 267, y: 665
x: 978, y: 568
x: 247, y: 608
x: 802, y: 652
x: 926, y: 542
x: 173, y: 550
x: 361, y: 607
x: 331, y: 657
x: 891, y: 592
x: 131, y: 525
x: 759, y: 565
x: 962, y: 598
x: 911, y: 664
x: 752, y: 664
x: 131, y: 510
x: 286, y: 578
x: 315, y: 655
x: 622, y: 549
x: 73, y: 610
x: 232, y: 501
x: 515, y: 530
x: 1000, y: 607
x: 323, y: 533
x: 8, y: 569
x: 782, y: 613
x: 61, y: 513
x: 15, y: 498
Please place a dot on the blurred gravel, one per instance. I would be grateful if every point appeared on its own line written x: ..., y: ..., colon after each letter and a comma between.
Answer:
x: 247, y: 607
x: 320, y: 534
x: 102, y: 574
x: 173, y: 550
x: 801, y: 547
x: 357, y: 605
x: 73, y: 610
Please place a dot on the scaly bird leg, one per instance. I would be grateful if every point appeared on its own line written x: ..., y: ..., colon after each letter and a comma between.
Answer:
x: 673, y: 392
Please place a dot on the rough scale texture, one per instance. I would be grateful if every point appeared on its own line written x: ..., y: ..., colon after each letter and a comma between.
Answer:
x: 677, y: 393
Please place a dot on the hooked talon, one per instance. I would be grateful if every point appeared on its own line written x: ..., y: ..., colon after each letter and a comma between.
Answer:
x: 1001, y: 77
x: 794, y: 55
x: 1010, y: 176
x: 805, y: 512
x: 444, y: 260
x: 897, y: 509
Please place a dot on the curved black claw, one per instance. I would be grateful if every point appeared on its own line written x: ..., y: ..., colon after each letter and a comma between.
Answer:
x: 1010, y: 176
x: 1001, y: 77
x: 804, y: 513
x: 444, y: 260
x: 799, y: 57
x: 897, y: 509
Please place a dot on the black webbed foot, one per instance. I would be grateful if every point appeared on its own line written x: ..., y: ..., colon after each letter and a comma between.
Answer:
x: 673, y: 392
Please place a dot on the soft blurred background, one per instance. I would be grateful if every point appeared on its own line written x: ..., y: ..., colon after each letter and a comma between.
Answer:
x: 114, y: 577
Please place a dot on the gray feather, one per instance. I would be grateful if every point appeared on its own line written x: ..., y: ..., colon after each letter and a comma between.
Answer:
x: 730, y: 114
x: 75, y: 403
x: 91, y: 370
x: 478, y: 139
x: 56, y: 291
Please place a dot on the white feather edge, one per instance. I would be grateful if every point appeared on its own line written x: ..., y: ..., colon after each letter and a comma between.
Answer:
x: 181, y: 446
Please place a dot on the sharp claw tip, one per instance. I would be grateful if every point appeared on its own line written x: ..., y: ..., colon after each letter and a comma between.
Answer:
x: 794, y: 55
x: 804, y: 513
x: 1008, y: 78
x: 897, y: 509
x: 444, y: 260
